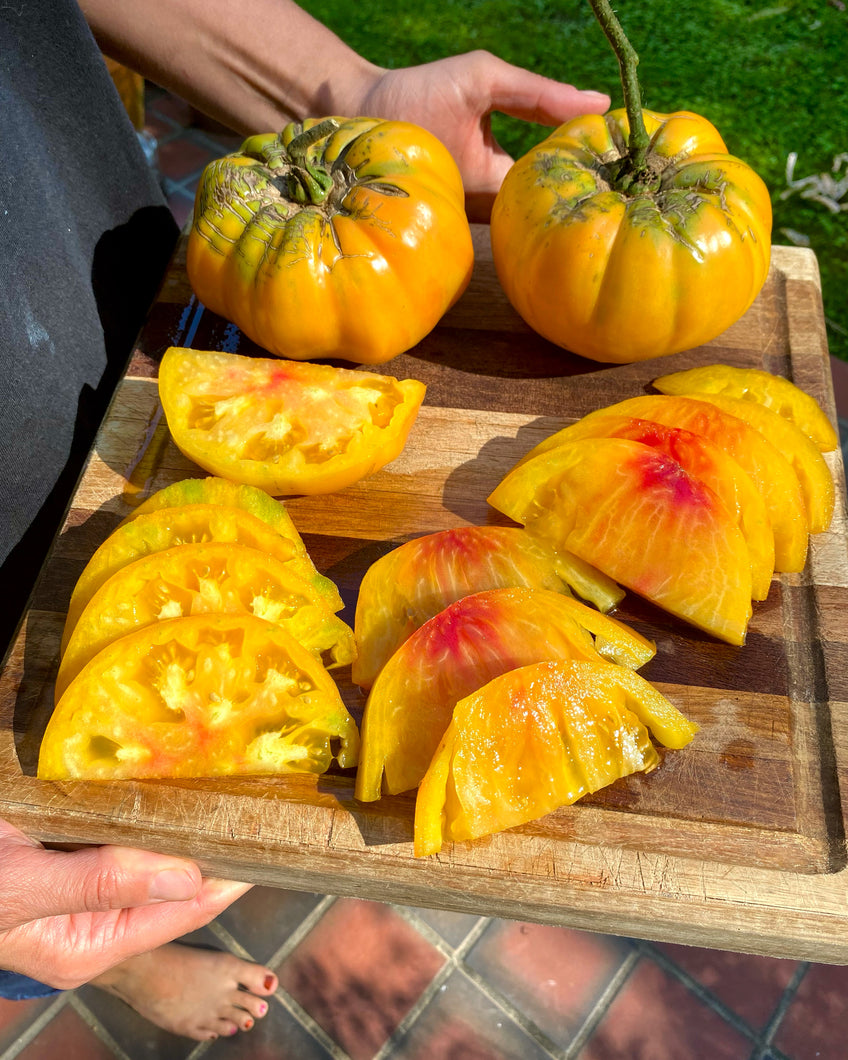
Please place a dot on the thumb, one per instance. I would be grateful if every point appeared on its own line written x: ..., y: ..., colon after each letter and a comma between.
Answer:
x: 532, y: 97
x: 39, y: 883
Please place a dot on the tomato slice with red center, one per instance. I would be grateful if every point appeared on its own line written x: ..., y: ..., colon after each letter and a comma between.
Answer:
x: 461, y: 648
x: 288, y: 427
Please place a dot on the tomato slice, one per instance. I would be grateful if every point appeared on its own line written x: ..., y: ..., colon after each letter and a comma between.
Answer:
x: 770, y: 471
x: 202, y: 696
x: 716, y: 469
x: 412, y: 583
x: 640, y: 517
x: 754, y: 384
x: 288, y: 427
x: 251, y: 499
x: 814, y: 475
x: 206, y: 578
x: 166, y: 528
x: 461, y: 648
x: 533, y: 739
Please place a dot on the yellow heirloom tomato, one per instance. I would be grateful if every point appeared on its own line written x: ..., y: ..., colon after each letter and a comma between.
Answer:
x: 632, y: 234
x: 334, y: 238
x: 623, y: 274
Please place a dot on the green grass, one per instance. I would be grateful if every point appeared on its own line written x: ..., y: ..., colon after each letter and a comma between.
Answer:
x: 772, y: 78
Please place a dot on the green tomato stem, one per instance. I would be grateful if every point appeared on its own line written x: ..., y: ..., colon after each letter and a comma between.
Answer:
x: 638, y: 140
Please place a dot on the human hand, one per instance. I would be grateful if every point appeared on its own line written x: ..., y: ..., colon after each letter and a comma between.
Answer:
x: 67, y: 917
x: 454, y: 99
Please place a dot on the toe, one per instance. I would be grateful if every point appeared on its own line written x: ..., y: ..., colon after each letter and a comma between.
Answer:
x: 255, y: 1007
x: 258, y: 980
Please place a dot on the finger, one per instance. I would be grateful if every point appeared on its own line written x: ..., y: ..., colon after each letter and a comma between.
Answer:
x: 39, y: 883
x: 533, y: 97
x: 146, y: 928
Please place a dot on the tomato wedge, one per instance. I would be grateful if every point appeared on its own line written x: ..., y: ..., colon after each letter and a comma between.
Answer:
x: 158, y: 531
x: 755, y: 384
x: 640, y: 517
x: 288, y: 427
x: 251, y: 499
x: 461, y: 648
x: 206, y: 578
x: 412, y: 583
x: 203, y: 696
x: 537, y: 738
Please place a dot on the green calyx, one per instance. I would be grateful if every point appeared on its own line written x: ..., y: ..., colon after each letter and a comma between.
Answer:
x: 630, y: 174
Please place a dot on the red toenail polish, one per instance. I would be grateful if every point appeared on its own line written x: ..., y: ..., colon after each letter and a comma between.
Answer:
x: 248, y: 1023
x: 269, y: 981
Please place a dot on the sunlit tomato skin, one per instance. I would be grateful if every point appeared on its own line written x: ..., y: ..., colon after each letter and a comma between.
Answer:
x: 618, y: 276
x: 409, y: 585
x: 287, y: 427
x: 203, y: 696
x: 536, y: 738
x: 457, y: 651
x: 335, y: 238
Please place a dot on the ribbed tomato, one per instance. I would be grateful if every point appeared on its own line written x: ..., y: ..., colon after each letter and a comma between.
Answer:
x: 203, y: 696
x: 457, y: 651
x: 620, y: 271
x: 336, y: 238
x: 287, y: 427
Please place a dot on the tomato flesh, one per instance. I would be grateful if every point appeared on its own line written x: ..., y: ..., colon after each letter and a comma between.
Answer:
x: 287, y: 428
x: 202, y: 696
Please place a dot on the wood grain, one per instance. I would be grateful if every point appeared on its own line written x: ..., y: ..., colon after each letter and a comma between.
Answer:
x: 736, y: 842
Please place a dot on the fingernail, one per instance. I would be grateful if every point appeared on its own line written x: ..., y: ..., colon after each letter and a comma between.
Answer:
x: 172, y: 885
x: 269, y: 981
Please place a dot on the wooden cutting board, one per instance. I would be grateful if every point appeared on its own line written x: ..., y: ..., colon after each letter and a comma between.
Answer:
x: 736, y: 842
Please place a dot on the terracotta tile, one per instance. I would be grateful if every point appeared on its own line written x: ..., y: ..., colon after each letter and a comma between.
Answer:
x: 462, y: 1022
x: 814, y: 1025
x: 655, y: 1017
x: 179, y: 158
x: 69, y: 1037
x: 139, y: 1038
x: 358, y: 973
x: 453, y: 927
x: 171, y: 108
x: 553, y: 974
x: 265, y: 917
x: 751, y: 986
x: 278, y: 1036
x: 16, y: 1016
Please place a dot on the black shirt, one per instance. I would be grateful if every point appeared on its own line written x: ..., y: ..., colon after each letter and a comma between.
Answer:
x: 85, y: 236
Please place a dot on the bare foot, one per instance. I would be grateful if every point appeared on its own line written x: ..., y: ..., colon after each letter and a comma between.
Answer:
x: 196, y: 993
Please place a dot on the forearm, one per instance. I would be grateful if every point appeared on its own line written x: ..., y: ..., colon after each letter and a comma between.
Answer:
x: 253, y: 65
